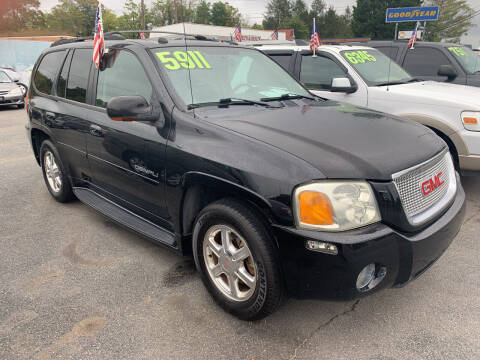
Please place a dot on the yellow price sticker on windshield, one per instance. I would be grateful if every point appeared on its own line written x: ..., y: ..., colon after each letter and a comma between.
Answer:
x: 178, y: 60
x: 360, y: 57
x: 458, y: 51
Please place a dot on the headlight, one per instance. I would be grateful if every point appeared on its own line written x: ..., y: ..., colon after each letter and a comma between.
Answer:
x: 335, y: 205
x: 16, y: 92
x: 471, y: 120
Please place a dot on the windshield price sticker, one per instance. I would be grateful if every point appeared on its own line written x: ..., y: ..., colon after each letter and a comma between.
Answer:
x: 360, y: 57
x: 179, y: 60
x: 458, y: 51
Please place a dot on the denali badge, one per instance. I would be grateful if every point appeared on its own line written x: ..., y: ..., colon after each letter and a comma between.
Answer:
x: 432, y: 184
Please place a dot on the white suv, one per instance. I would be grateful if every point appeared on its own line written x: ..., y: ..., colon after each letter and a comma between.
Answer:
x: 364, y: 76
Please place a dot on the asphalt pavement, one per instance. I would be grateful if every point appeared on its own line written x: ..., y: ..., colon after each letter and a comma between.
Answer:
x: 74, y: 285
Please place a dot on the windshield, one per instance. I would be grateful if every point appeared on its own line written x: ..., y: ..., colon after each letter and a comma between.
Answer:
x: 376, y: 68
x: 225, y: 73
x: 4, y: 78
x: 469, y: 60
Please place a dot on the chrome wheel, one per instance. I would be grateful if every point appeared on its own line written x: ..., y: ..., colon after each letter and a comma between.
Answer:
x: 52, y: 171
x: 229, y: 262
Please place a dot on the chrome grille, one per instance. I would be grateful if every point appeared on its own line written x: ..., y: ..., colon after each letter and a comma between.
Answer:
x: 409, y: 187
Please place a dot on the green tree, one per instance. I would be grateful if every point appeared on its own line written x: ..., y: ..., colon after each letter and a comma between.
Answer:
x: 300, y: 9
x: 223, y: 14
x: 17, y: 15
x: 369, y: 18
x: 298, y: 25
x: 202, y: 13
x: 453, y: 22
x: 278, y: 11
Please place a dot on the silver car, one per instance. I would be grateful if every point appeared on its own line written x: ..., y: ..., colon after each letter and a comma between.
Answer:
x: 10, y: 92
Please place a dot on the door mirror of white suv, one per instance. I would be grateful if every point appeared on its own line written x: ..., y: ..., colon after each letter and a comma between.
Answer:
x: 343, y: 85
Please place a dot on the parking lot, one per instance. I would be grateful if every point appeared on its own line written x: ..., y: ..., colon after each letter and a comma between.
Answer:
x: 74, y: 285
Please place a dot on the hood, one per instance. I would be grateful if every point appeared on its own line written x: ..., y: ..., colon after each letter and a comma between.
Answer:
x: 440, y: 93
x: 8, y: 86
x: 340, y: 140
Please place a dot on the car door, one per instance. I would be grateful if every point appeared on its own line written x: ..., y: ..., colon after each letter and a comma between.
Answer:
x: 424, y: 62
x: 120, y: 153
x: 317, y: 73
x: 63, y: 118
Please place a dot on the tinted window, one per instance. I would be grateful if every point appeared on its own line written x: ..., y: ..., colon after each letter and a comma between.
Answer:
x: 318, y: 72
x: 283, y: 60
x: 78, y: 76
x: 47, y: 71
x: 124, y: 76
x: 391, y: 52
x: 62, y: 80
x: 424, y: 61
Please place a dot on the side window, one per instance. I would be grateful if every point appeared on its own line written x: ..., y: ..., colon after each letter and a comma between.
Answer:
x: 423, y: 61
x: 78, y: 77
x: 124, y: 76
x: 47, y: 71
x: 390, y: 51
x: 318, y: 72
x: 283, y: 59
x: 62, y: 80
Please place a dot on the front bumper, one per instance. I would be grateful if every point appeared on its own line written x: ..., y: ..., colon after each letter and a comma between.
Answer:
x: 7, y: 100
x: 470, y: 158
x: 405, y: 256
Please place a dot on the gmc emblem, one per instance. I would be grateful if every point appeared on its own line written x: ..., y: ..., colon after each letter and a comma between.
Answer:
x: 432, y: 184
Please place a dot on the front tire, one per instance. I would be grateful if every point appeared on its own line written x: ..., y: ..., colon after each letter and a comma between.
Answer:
x: 238, y: 260
x: 54, y: 173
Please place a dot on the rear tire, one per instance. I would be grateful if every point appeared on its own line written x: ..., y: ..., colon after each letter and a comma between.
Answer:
x: 54, y: 173
x: 244, y: 276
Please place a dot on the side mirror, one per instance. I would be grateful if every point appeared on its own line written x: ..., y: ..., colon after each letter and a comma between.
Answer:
x: 448, y: 71
x: 343, y: 85
x: 131, y: 108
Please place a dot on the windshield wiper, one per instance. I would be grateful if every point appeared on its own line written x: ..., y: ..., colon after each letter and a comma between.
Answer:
x: 398, y: 82
x: 287, y: 97
x: 230, y: 101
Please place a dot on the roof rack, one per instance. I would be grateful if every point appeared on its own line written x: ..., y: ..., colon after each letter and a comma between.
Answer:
x: 117, y: 35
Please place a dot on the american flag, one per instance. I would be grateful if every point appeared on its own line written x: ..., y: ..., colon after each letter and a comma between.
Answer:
x: 275, y: 34
x: 238, y: 33
x: 413, y: 38
x: 142, y: 35
x: 315, y: 39
x: 98, y: 40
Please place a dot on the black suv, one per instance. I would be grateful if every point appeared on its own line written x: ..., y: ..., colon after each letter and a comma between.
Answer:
x: 434, y: 61
x: 214, y: 150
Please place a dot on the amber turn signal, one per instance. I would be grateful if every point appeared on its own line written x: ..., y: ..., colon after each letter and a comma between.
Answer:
x: 315, y: 208
x: 470, y: 121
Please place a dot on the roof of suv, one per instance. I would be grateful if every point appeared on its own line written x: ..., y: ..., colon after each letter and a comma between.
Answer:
x: 405, y: 42
x: 330, y: 48
x: 149, y: 43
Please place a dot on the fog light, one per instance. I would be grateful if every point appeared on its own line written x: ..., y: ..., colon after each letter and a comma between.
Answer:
x: 366, y: 276
x: 322, y: 247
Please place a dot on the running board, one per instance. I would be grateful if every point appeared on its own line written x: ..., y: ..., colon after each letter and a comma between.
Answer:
x: 124, y: 217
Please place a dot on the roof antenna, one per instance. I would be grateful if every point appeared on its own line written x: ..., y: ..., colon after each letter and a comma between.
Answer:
x: 188, y: 62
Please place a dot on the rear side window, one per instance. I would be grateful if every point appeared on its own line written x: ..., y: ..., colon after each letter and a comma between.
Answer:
x: 48, y: 70
x: 423, y: 61
x: 62, y: 80
x: 124, y: 77
x: 78, y: 77
x: 283, y: 60
x: 390, y: 51
x: 318, y: 72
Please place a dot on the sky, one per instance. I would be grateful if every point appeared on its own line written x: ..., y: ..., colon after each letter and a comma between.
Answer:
x: 254, y: 10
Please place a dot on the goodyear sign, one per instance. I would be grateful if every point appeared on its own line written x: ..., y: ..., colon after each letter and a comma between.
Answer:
x: 429, y: 13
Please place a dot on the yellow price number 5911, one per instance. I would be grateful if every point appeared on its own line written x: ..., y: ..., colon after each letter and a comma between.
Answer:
x: 183, y: 60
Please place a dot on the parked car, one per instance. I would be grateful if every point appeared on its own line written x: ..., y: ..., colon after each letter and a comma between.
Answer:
x: 445, y: 62
x: 215, y: 150
x: 21, y: 78
x: 10, y: 92
x: 364, y: 76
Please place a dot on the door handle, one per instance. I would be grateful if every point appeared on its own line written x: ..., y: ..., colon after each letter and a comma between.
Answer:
x: 96, y: 130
